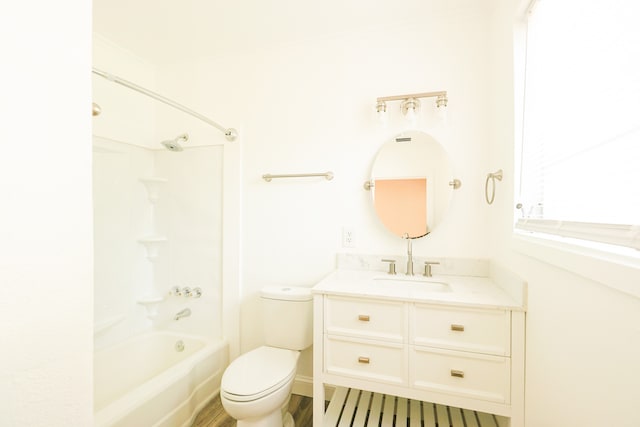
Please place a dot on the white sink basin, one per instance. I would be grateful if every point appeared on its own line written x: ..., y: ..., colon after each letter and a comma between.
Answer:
x: 420, y: 283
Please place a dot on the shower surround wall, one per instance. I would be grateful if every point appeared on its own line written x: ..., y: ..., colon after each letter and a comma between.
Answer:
x: 187, y: 212
x: 190, y: 216
x: 122, y: 214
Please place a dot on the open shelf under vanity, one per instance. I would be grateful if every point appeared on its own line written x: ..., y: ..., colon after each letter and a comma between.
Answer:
x: 352, y: 407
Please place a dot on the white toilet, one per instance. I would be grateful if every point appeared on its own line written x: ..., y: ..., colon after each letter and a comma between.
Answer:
x: 256, y: 386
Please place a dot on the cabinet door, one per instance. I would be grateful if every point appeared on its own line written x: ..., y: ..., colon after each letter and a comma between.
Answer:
x: 459, y: 373
x: 375, y: 319
x: 475, y: 330
x: 366, y: 359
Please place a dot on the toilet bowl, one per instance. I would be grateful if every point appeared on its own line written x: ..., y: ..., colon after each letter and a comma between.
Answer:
x: 257, y: 385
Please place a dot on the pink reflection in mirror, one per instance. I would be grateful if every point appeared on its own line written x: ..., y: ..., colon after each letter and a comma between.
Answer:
x: 401, y: 204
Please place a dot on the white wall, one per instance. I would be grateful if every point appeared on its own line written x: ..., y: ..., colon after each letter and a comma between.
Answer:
x: 308, y: 107
x: 45, y: 218
x: 126, y: 116
x: 583, y: 337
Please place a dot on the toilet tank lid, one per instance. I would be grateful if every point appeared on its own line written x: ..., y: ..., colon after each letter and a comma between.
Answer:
x: 286, y: 293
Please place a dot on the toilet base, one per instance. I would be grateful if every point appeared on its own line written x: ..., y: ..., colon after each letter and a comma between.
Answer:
x: 287, y: 421
x: 274, y: 419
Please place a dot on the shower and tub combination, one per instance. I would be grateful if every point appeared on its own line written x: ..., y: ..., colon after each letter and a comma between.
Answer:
x: 159, y: 351
x: 156, y: 379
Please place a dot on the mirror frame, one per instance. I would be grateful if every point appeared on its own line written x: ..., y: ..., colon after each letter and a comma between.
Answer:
x: 412, y: 156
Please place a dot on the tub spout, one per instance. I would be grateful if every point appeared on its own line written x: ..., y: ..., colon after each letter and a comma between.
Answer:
x: 183, y: 313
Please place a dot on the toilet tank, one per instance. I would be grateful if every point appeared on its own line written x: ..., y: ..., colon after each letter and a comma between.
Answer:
x: 288, y: 317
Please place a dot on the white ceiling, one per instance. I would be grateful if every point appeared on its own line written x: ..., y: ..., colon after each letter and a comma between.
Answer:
x: 177, y: 30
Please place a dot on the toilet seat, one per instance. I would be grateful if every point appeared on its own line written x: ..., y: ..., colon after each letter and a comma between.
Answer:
x: 258, y: 373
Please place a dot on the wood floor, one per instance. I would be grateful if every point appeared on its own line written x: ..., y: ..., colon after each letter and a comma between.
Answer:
x: 214, y: 415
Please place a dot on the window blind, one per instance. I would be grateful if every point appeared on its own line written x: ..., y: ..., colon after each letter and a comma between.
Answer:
x: 580, y: 159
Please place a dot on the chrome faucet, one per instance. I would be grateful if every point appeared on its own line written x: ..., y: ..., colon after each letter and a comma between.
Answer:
x: 183, y: 313
x: 409, y: 255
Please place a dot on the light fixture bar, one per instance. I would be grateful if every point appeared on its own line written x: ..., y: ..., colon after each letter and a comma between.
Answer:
x: 412, y: 95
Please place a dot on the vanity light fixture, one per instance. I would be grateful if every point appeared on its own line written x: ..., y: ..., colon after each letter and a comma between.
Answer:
x: 410, y: 104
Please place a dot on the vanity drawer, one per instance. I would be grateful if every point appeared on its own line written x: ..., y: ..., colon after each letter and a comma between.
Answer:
x: 475, y: 330
x: 477, y: 376
x: 365, y: 359
x: 374, y: 319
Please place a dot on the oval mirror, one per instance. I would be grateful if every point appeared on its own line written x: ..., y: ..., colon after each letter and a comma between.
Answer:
x: 411, y: 184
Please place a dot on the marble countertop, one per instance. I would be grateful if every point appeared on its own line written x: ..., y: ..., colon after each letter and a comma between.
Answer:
x: 462, y: 291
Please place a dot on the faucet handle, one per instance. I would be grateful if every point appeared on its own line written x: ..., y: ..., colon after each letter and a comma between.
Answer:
x: 427, y: 267
x: 392, y: 265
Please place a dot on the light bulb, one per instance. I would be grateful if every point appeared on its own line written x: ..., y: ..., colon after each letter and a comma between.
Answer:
x: 411, y: 117
x: 409, y: 108
x: 381, y: 113
x: 442, y: 115
x: 441, y: 109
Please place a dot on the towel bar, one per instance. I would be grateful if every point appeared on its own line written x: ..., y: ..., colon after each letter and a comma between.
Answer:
x: 268, y: 177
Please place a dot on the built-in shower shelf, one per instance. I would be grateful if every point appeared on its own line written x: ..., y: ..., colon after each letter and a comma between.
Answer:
x: 151, y: 304
x: 152, y: 245
x: 356, y: 408
x: 153, y: 184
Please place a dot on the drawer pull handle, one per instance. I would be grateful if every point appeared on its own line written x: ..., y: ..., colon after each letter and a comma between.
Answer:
x: 363, y: 317
x: 363, y: 360
x: 456, y: 373
x: 457, y: 328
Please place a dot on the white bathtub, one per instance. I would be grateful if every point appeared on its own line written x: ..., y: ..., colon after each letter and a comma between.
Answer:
x: 146, y: 382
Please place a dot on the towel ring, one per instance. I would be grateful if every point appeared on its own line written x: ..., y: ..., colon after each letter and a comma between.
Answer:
x: 492, y: 176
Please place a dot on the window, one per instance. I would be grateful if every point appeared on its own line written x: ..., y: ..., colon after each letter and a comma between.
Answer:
x: 580, y: 159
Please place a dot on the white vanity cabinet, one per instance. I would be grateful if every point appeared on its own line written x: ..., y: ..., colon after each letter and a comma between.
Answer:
x: 461, y: 351
x: 456, y: 354
x: 365, y: 339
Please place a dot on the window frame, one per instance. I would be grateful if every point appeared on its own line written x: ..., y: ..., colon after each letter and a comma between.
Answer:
x: 579, y: 248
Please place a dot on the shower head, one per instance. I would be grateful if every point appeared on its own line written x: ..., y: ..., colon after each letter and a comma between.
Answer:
x: 174, y: 144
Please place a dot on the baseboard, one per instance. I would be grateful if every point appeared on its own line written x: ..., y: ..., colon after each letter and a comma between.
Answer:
x: 303, y: 386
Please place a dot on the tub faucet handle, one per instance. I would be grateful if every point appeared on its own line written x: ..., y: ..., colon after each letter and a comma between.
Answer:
x: 186, y: 291
x: 175, y: 291
x: 196, y: 292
